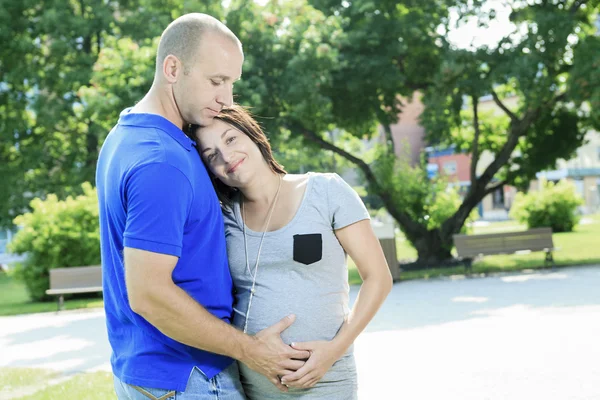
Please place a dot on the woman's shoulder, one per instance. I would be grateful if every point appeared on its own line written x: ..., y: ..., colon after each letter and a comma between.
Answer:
x: 229, y: 210
x: 323, y: 177
x: 326, y: 180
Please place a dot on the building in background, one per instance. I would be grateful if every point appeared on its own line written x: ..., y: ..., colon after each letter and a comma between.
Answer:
x: 409, y: 139
x: 583, y: 171
x: 6, y: 258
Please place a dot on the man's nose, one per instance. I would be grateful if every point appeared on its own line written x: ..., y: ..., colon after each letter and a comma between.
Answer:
x: 225, y: 95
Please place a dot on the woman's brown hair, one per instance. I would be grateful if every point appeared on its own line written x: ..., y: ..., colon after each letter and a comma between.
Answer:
x: 241, y: 119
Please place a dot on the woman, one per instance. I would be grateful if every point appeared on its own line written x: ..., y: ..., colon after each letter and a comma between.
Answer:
x: 287, y: 239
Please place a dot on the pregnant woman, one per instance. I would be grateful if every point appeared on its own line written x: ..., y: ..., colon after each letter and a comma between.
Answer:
x: 287, y: 241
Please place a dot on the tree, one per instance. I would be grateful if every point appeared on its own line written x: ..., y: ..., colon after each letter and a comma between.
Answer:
x: 49, y: 140
x: 347, y: 65
x: 311, y: 68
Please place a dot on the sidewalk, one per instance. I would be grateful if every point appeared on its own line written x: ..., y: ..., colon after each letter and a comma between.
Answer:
x: 522, y: 336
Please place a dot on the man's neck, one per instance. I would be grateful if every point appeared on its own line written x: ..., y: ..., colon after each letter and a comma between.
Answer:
x: 160, y: 101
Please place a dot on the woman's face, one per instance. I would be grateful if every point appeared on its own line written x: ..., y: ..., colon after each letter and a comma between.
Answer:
x: 230, y: 154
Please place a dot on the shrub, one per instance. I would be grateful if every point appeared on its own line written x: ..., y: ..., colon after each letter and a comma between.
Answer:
x: 56, y: 233
x: 444, y: 204
x: 555, y: 206
x: 429, y: 202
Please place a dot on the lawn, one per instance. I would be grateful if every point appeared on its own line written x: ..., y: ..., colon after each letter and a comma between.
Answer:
x: 15, y: 300
x: 574, y: 248
x: 40, y: 384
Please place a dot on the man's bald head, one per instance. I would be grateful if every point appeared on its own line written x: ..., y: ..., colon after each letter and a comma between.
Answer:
x: 183, y: 36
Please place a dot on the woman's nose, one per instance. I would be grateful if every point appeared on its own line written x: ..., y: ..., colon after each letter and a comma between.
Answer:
x: 227, y: 155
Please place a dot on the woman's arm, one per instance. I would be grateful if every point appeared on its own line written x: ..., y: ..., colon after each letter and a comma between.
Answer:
x: 360, y: 242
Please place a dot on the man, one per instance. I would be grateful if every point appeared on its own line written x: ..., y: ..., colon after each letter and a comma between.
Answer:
x: 167, y: 287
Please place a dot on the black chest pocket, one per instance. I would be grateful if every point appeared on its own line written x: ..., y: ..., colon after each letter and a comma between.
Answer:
x: 308, y: 248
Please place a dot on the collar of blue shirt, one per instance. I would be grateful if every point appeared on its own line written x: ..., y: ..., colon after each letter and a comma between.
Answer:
x: 157, y: 121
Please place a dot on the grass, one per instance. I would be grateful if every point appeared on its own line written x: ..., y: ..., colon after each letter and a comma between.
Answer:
x: 84, y: 386
x: 575, y: 248
x: 14, y: 299
x: 17, y: 379
x: 579, y: 247
x: 88, y: 386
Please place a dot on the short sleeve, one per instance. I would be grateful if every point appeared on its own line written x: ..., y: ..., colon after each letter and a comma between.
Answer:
x: 158, y: 199
x: 345, y: 206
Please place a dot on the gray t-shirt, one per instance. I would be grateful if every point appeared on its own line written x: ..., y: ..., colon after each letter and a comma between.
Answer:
x: 303, y: 271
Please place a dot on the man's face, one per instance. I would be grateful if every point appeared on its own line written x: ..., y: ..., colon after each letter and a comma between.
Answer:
x: 208, y: 85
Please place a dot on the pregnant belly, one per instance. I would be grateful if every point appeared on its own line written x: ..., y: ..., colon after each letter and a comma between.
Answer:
x: 316, y: 318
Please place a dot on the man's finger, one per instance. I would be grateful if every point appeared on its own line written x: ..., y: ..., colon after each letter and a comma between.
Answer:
x: 299, y: 354
x: 275, y: 381
x: 304, y: 345
x: 292, y: 365
x: 283, y: 324
x: 294, y: 377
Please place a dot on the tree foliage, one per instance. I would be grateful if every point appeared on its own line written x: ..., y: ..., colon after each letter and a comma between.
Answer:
x: 55, y: 234
x: 312, y: 68
x: 49, y: 136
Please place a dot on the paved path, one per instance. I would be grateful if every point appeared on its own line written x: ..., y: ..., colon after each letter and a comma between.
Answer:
x: 522, y: 336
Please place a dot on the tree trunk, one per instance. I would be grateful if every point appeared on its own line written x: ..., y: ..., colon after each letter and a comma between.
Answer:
x: 433, y: 249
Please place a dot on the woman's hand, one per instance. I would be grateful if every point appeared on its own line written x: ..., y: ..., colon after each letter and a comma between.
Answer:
x: 322, y: 356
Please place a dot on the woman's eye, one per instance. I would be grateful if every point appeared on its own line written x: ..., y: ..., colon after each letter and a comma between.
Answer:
x: 230, y: 139
x: 216, y: 83
x: 210, y: 157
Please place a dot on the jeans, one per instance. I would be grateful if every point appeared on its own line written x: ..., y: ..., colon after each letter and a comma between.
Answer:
x: 224, y: 386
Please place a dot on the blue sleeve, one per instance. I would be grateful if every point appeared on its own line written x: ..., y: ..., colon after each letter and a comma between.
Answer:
x: 158, y: 198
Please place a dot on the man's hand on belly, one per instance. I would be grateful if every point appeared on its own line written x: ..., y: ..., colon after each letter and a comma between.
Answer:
x: 271, y: 357
x: 323, y: 354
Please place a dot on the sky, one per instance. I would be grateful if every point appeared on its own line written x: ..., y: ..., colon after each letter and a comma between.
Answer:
x: 469, y: 34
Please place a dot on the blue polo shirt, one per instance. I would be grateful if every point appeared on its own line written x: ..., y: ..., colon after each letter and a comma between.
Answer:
x: 155, y: 194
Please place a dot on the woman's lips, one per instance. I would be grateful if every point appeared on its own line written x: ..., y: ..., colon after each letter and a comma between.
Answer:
x: 235, y: 166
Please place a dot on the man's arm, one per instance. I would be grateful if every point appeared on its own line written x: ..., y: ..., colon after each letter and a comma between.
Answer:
x: 158, y: 199
x: 153, y: 295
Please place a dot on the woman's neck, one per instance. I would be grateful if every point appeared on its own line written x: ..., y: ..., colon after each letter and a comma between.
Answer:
x: 261, y: 191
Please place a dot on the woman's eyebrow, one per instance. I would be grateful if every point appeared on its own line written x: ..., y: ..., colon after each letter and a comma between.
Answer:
x: 222, y: 134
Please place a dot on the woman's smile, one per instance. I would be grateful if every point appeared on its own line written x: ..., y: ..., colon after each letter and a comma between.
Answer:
x: 235, y: 166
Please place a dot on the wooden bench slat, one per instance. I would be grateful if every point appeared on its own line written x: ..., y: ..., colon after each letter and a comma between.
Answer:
x: 78, y: 290
x: 538, y: 239
x: 75, y: 279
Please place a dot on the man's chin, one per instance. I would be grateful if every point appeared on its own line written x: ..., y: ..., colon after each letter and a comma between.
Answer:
x: 205, y: 121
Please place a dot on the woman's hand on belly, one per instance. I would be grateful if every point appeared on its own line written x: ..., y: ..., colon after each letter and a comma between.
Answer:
x: 323, y: 354
x: 273, y: 358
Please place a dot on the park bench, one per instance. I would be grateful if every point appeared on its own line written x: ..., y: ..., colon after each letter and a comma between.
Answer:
x: 74, y: 280
x: 470, y: 246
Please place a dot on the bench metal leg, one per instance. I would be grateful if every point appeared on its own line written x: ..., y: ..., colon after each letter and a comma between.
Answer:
x: 60, y: 303
x: 549, y: 260
x: 468, y: 266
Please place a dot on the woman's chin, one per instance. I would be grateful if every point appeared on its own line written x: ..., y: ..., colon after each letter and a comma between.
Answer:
x: 233, y: 181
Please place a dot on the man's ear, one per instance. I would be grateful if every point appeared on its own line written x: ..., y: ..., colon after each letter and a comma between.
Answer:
x: 172, y: 68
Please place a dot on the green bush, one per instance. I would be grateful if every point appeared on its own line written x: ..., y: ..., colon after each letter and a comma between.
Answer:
x: 56, y: 233
x: 444, y: 204
x: 428, y: 202
x: 555, y: 206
